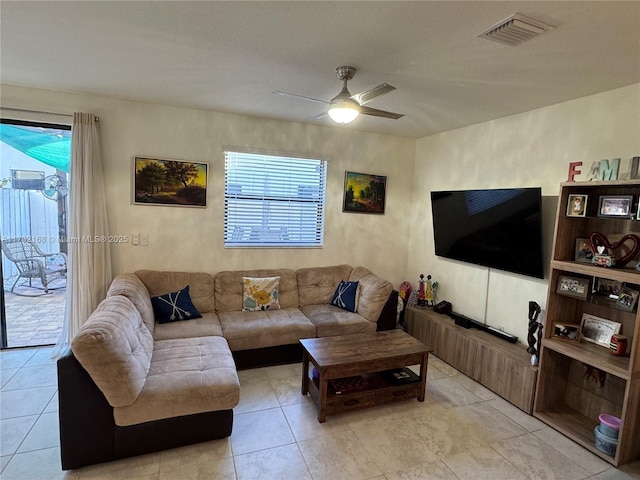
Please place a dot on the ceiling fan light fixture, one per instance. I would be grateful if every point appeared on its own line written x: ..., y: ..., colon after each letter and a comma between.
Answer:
x: 344, y: 111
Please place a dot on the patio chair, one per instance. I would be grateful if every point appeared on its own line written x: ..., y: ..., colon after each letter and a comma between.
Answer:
x: 32, y: 262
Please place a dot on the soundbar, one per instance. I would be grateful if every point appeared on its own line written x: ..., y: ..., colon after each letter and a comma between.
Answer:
x: 500, y: 334
x: 467, y: 322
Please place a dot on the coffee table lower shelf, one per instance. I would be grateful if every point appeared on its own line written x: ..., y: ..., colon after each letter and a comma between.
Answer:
x: 379, y: 392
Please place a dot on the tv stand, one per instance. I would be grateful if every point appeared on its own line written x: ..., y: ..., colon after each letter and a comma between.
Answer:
x: 502, y: 367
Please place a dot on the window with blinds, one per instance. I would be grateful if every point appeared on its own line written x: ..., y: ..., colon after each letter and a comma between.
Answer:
x: 273, y: 201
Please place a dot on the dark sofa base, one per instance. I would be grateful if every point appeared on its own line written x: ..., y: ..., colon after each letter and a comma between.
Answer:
x: 267, y: 356
x: 88, y: 434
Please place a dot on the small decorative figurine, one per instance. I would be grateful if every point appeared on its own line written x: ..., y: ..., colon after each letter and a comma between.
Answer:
x: 422, y: 300
x: 430, y: 293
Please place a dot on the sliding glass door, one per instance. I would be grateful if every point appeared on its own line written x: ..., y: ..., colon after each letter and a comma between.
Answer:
x: 34, y: 176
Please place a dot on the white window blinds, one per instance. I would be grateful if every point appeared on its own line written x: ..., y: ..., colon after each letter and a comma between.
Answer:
x: 273, y: 201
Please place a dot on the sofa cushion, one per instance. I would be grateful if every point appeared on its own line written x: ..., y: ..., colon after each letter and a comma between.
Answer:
x: 247, y: 330
x: 260, y: 294
x: 229, y: 288
x: 200, y: 286
x: 187, y: 376
x: 207, y: 325
x: 317, y: 285
x: 330, y: 321
x: 346, y: 296
x: 114, y: 346
x: 130, y: 286
x: 174, y: 307
x: 374, y: 293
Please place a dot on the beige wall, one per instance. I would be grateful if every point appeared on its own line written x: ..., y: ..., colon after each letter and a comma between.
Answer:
x: 529, y: 149
x: 192, y: 238
x: 532, y: 149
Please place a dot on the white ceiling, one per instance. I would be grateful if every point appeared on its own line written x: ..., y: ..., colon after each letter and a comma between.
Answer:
x: 231, y: 56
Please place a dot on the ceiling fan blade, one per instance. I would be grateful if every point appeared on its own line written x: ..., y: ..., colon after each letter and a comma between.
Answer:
x: 294, y: 95
x: 380, y: 113
x: 368, y: 95
x: 320, y: 115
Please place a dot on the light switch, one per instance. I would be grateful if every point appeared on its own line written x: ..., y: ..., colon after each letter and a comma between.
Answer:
x: 135, y: 238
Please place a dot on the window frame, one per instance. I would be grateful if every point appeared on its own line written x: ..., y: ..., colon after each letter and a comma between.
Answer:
x: 297, y: 209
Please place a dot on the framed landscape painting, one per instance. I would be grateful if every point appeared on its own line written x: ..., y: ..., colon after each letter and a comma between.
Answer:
x: 364, y: 193
x: 169, y: 182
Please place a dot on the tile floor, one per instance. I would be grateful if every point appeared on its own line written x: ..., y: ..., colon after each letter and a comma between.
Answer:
x: 462, y: 431
x: 34, y: 320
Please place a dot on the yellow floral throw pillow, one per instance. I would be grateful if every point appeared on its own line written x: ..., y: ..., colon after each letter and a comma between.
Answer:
x: 260, y: 294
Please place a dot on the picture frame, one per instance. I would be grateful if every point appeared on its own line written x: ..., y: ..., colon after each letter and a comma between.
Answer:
x: 364, y: 193
x: 169, y: 183
x: 584, y: 252
x: 627, y: 299
x: 578, y: 287
x: 597, y: 330
x: 565, y: 331
x: 607, y: 288
x: 577, y: 205
x: 615, y: 206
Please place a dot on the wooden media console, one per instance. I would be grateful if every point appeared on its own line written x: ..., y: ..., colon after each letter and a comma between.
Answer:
x: 503, y: 367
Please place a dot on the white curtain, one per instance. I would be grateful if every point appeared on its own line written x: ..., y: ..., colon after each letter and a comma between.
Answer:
x: 89, y: 257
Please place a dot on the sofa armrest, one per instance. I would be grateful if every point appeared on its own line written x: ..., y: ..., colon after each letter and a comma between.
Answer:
x: 388, y: 316
x: 374, y: 292
x: 85, y: 416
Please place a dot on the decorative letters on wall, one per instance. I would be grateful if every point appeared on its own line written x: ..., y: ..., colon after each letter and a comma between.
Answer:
x: 606, y: 170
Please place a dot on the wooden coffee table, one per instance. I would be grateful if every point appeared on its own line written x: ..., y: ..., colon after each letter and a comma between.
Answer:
x: 364, y: 364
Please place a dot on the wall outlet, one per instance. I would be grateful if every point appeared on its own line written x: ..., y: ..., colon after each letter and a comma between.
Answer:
x: 144, y: 239
x: 500, y: 327
x: 135, y: 238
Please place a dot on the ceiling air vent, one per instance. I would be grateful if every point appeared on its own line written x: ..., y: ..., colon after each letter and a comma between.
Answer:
x: 515, y: 29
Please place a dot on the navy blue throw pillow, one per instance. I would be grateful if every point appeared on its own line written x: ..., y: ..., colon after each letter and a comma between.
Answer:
x: 175, y: 306
x: 345, y: 296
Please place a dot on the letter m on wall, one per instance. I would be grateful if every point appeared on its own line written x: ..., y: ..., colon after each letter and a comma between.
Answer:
x: 609, y: 172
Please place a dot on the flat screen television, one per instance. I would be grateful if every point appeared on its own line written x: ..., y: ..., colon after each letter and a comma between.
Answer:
x: 497, y: 228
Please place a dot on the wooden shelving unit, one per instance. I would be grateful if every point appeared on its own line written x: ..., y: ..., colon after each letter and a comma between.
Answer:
x: 566, y: 398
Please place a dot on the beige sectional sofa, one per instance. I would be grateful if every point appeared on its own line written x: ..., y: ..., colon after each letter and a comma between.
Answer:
x: 130, y: 385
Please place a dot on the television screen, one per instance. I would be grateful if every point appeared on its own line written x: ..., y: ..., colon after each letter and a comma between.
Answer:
x: 498, y: 228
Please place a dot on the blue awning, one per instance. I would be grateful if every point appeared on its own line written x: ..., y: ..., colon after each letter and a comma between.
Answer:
x: 47, y: 145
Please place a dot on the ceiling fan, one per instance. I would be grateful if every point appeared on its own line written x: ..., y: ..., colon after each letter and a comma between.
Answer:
x: 344, y: 107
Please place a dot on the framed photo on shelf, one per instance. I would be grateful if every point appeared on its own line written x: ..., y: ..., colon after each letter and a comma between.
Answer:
x: 597, y: 330
x: 627, y: 299
x: 565, y: 331
x: 615, y: 206
x: 577, y: 205
x: 584, y: 252
x: 608, y: 288
x: 578, y: 287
